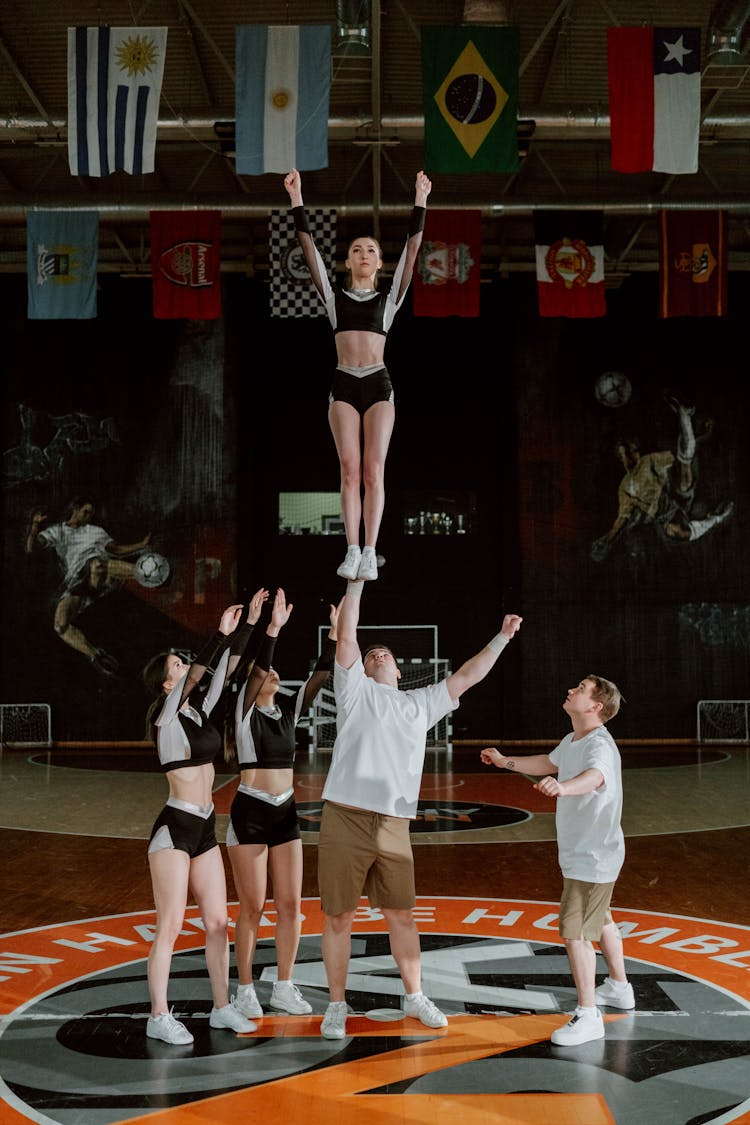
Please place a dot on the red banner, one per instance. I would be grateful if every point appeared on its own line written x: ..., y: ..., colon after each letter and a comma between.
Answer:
x: 692, y: 263
x: 186, y: 264
x: 446, y: 282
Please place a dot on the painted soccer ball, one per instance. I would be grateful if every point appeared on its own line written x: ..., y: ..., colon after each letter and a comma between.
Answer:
x: 151, y: 569
x: 612, y: 388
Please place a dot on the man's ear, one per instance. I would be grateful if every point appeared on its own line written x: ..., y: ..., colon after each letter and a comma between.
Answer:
x: 398, y: 672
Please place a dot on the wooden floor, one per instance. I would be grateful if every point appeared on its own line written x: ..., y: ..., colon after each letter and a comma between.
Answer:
x: 76, y: 907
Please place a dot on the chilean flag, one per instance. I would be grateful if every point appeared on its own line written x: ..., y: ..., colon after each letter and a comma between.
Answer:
x: 654, y: 98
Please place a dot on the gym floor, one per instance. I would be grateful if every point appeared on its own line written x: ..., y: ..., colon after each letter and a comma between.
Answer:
x: 77, y: 913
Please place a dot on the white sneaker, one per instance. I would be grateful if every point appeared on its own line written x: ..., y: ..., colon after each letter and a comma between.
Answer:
x: 247, y: 1002
x: 368, y: 566
x: 333, y: 1025
x: 286, y: 997
x: 168, y: 1029
x: 614, y: 994
x: 422, y: 1008
x: 350, y: 565
x: 231, y: 1018
x: 582, y: 1028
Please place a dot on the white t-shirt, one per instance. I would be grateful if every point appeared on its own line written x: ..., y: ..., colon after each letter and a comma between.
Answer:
x: 590, y: 842
x: 378, y: 755
x: 75, y: 546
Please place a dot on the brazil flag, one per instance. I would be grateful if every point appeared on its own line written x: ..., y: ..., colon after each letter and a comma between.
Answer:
x: 470, y: 95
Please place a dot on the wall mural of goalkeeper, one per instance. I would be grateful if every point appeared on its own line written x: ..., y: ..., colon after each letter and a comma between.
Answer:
x: 658, y: 489
x: 93, y: 565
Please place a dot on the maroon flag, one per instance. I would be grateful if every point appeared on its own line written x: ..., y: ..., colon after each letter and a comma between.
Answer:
x: 570, y: 263
x: 692, y: 263
x: 446, y: 282
x: 186, y: 264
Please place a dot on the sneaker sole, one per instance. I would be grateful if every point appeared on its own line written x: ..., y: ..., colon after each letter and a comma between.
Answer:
x: 292, y: 1011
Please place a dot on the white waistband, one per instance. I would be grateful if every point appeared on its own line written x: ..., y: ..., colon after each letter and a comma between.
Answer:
x: 203, y: 811
x: 269, y: 798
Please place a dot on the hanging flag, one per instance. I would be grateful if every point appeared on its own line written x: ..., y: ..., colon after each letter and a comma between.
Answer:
x: 282, y: 97
x: 693, y: 263
x: 570, y: 263
x: 114, y: 86
x: 654, y: 98
x: 446, y: 281
x: 292, y: 291
x: 470, y: 98
x: 61, y: 263
x: 186, y: 264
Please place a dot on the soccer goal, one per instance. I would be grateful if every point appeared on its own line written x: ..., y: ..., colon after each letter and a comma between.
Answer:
x: 723, y: 720
x: 25, y: 724
x: 416, y: 650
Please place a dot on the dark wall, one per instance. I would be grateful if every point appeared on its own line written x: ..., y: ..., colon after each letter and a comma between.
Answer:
x: 502, y: 407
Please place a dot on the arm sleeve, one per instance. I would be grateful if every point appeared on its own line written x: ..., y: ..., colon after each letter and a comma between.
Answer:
x: 239, y: 639
x: 264, y: 659
x: 314, y: 262
x: 327, y: 656
x: 405, y: 268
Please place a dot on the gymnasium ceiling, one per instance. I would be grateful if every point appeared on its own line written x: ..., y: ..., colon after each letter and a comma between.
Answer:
x: 375, y: 131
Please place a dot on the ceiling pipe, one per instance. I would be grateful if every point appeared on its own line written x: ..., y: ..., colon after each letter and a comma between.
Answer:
x: 16, y: 211
x: 587, y: 122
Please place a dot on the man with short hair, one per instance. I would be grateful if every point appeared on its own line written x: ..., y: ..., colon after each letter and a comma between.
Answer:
x: 371, y: 794
x: 584, y: 773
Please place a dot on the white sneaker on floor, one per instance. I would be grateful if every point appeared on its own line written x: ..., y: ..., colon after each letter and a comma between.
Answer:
x: 585, y: 1026
x: 368, y: 566
x: 168, y: 1029
x: 247, y: 1002
x: 422, y: 1008
x: 350, y: 565
x: 612, y: 994
x: 231, y: 1018
x: 286, y: 997
x: 333, y: 1025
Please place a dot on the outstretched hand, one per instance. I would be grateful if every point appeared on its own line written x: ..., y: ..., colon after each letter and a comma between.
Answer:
x: 281, y: 611
x: 256, y: 605
x: 230, y: 619
x: 422, y: 188
x: 511, y: 625
x: 293, y: 184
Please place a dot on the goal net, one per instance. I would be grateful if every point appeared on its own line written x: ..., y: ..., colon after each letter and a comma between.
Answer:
x: 723, y: 720
x: 25, y: 724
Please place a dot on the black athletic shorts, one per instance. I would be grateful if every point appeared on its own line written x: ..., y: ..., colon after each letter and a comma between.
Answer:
x: 361, y: 392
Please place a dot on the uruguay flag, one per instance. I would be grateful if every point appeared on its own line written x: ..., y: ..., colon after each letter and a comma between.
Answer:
x: 114, y: 86
x: 282, y: 98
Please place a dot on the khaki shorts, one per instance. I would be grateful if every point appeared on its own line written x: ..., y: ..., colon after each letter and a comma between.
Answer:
x: 362, y: 852
x: 584, y: 909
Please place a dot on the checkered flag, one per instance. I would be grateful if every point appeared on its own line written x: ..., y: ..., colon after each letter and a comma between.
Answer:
x: 292, y: 291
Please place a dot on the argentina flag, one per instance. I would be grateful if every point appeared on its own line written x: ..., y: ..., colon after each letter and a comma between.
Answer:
x: 62, y: 259
x: 114, y: 86
x: 282, y: 96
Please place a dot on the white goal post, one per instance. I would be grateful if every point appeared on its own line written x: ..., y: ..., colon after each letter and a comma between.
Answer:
x: 25, y: 725
x: 723, y: 720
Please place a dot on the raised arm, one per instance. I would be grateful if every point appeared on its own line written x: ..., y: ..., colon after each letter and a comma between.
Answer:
x: 211, y: 650
x: 37, y: 519
x: 347, y: 648
x: 324, y: 666
x: 242, y: 633
x: 280, y: 614
x: 293, y: 185
x: 477, y: 667
x: 405, y: 268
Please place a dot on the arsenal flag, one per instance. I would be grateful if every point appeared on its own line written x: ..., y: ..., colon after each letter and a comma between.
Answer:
x: 446, y: 282
x: 186, y: 264
x: 570, y: 263
x: 692, y: 263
